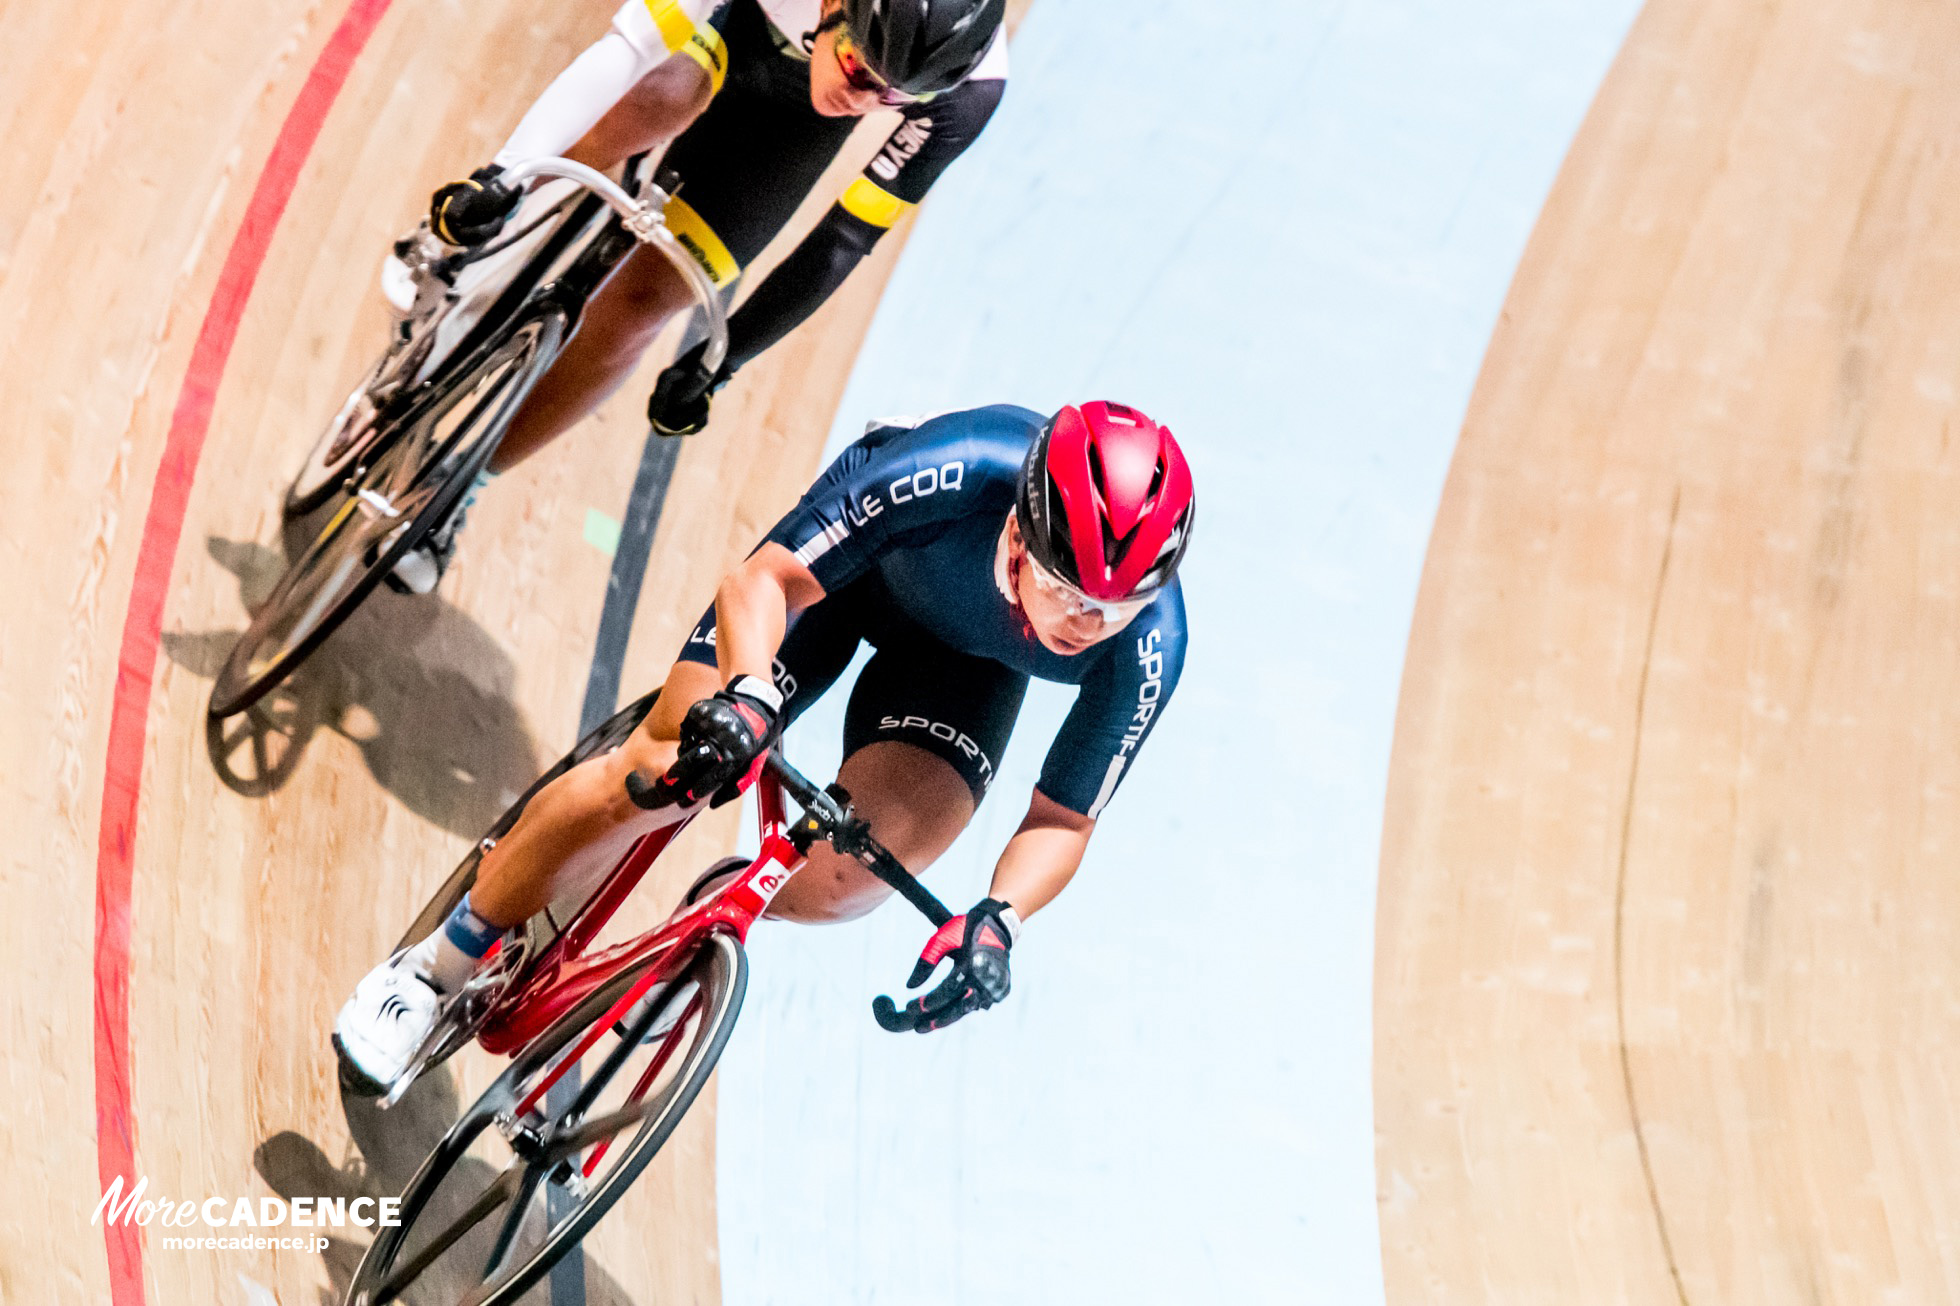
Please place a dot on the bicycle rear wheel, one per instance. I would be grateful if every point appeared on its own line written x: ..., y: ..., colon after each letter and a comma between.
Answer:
x: 477, y: 1226
x: 411, y: 485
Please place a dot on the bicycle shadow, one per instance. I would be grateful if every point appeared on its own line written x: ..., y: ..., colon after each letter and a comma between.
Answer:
x: 422, y: 689
x: 390, y: 1145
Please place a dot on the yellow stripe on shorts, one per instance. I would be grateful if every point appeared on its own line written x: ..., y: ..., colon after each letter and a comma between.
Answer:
x: 867, y: 201
x: 700, y: 240
x: 698, y: 41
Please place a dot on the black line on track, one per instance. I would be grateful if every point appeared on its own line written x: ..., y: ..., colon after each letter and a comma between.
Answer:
x: 616, y: 613
x: 1619, y: 912
x: 629, y: 569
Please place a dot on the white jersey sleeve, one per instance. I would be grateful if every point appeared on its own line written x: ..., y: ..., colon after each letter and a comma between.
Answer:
x: 643, y: 35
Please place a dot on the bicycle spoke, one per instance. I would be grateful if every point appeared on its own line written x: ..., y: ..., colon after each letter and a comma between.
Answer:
x: 509, y: 1257
x: 601, y: 1076
x: 659, y: 1063
x: 507, y: 1234
x: 485, y: 1203
x: 329, y: 590
x: 600, y: 1128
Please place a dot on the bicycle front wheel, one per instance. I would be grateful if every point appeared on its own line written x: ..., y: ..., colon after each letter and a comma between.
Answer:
x: 514, y: 1186
x: 350, y: 433
x: 411, y: 485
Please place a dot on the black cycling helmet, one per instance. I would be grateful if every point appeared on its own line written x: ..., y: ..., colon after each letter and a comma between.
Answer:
x: 922, y: 47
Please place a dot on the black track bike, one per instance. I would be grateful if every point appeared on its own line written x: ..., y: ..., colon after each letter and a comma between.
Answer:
x: 398, y: 457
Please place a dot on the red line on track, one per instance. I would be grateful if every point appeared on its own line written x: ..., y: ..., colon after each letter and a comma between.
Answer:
x: 115, y: 1121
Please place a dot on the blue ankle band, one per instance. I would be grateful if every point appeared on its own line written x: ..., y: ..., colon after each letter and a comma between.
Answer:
x: 472, y: 935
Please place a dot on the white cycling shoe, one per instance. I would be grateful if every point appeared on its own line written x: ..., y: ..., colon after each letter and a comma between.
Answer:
x: 380, y: 1028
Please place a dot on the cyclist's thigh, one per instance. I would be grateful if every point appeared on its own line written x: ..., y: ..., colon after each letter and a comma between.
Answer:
x: 956, y: 707
x: 922, y: 735
x: 753, y: 154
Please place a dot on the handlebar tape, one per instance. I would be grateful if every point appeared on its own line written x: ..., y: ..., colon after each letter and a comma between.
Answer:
x: 648, y: 795
x: 889, y: 1017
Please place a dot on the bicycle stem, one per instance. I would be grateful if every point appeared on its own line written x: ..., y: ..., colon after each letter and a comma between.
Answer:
x: 827, y: 815
x: 645, y: 220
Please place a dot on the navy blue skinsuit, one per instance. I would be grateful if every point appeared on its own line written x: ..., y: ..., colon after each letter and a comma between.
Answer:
x: 902, y: 531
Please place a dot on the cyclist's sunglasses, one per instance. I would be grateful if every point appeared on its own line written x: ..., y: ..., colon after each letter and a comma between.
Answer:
x: 857, y: 72
x: 1076, y: 604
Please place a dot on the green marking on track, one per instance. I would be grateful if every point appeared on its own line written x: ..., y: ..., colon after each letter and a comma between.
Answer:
x: 601, y: 532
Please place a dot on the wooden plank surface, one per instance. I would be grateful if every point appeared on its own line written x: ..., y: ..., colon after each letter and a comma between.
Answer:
x: 270, y: 871
x: 1665, y: 962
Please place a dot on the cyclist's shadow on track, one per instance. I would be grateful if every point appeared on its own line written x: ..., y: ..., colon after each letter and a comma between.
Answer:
x: 392, y: 1144
x: 421, y: 688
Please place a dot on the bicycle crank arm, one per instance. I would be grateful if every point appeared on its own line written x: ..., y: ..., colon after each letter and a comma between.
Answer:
x: 559, y: 1147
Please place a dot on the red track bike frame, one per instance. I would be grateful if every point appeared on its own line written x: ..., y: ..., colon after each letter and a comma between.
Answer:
x: 563, y: 975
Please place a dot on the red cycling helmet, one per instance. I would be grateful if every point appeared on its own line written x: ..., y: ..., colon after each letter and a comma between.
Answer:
x: 1105, y: 501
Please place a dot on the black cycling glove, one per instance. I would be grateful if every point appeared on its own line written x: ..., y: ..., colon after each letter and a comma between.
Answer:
x: 739, y: 723
x: 978, y: 944
x: 680, y: 399
x: 473, y: 211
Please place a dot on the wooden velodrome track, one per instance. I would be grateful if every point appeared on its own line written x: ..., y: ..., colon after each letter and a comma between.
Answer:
x: 197, y: 200
x: 1665, y: 965
x: 1664, y: 955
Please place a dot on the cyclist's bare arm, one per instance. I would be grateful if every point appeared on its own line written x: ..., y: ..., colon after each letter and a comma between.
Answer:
x: 628, y: 91
x: 752, y: 610
x: 658, y: 108
x: 581, y: 822
x: 1042, y: 857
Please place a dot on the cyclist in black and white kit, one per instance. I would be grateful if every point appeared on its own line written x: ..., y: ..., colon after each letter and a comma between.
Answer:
x: 757, y: 96
x: 974, y: 551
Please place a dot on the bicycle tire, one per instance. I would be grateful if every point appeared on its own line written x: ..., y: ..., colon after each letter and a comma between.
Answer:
x: 720, y: 967
x: 320, y: 479
x: 243, y: 680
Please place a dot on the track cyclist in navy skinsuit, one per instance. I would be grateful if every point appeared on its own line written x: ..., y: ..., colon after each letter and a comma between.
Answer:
x: 973, y: 550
